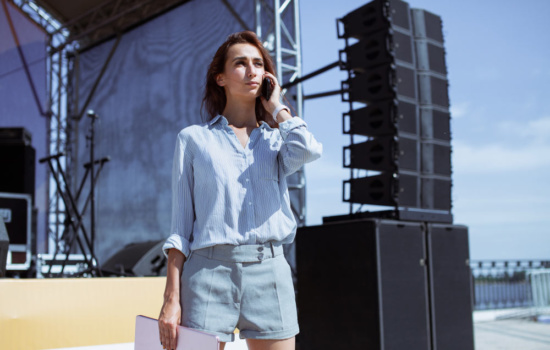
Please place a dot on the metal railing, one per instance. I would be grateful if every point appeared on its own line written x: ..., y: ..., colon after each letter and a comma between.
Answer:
x: 502, y: 284
x: 540, y: 287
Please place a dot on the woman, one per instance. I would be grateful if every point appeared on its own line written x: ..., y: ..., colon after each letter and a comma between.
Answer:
x: 230, y: 207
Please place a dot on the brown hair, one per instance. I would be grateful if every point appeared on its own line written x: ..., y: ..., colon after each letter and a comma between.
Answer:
x: 214, y: 99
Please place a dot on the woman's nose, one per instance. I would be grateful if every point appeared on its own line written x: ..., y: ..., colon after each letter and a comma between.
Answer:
x: 252, y: 70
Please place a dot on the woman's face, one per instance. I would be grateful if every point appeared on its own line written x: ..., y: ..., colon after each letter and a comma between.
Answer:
x: 243, y: 72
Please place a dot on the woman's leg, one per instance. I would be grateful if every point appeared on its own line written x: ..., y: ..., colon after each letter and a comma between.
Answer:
x: 271, y: 344
x: 222, y: 345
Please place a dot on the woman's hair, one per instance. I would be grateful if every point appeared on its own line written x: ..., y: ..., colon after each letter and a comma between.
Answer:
x: 214, y: 99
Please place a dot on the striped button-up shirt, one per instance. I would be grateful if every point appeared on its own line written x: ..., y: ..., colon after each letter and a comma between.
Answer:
x: 224, y: 193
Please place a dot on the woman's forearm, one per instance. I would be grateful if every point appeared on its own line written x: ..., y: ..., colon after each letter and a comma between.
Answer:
x: 173, y: 275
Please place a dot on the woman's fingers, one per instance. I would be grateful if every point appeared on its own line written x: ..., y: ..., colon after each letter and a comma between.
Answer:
x: 274, y: 100
x: 168, y: 335
x: 272, y: 77
x: 173, y: 335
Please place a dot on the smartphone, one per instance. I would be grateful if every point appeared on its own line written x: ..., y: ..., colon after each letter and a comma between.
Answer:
x: 266, y: 88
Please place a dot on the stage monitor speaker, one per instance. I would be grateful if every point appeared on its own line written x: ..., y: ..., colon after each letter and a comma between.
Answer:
x: 16, y: 211
x: 450, y: 287
x: 362, y: 284
x: 137, y: 259
x: 4, y: 247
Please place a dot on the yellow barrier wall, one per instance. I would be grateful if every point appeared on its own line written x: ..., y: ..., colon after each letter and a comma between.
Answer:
x: 71, y: 312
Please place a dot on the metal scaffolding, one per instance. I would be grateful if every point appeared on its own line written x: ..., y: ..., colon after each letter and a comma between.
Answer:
x: 57, y: 82
x: 285, y: 46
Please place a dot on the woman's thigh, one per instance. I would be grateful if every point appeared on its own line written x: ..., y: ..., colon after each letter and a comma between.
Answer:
x: 271, y: 344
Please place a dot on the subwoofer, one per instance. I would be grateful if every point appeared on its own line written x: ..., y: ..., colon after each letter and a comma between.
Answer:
x: 363, y: 284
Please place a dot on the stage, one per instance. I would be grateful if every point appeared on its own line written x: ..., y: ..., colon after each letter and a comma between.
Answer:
x: 99, y: 314
x: 74, y: 312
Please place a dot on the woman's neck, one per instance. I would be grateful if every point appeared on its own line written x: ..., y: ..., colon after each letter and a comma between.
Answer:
x: 241, y: 113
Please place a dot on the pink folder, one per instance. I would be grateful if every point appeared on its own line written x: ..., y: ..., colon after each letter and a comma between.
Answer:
x: 147, y: 337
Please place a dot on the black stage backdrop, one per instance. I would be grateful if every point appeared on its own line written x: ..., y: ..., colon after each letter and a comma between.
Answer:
x: 151, y: 89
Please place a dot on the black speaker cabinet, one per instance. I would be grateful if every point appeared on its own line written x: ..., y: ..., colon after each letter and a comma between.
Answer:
x: 363, y: 284
x: 4, y: 247
x: 17, y: 162
x: 450, y: 287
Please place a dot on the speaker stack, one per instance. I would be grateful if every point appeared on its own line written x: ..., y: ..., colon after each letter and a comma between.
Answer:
x: 396, y: 278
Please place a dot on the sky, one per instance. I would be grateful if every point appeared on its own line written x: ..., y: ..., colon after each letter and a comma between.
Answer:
x: 498, y: 59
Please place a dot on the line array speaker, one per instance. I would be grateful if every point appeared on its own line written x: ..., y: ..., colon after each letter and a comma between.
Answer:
x: 396, y: 68
x: 382, y: 75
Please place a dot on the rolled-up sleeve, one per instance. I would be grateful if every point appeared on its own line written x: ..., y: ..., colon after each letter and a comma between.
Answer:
x: 299, y: 146
x: 183, y: 211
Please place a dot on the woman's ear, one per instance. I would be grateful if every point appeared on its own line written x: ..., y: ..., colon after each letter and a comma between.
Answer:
x: 219, y: 80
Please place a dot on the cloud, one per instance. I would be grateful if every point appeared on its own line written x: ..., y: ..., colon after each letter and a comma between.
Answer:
x: 522, y: 146
x: 538, y: 129
x: 460, y: 109
x: 327, y: 168
x: 514, y: 156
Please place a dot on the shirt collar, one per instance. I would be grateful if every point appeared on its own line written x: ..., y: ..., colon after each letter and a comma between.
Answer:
x: 217, y: 118
x: 264, y: 125
x: 220, y: 118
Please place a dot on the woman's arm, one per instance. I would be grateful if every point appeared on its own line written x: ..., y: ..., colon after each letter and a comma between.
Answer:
x: 170, y: 314
x: 299, y: 146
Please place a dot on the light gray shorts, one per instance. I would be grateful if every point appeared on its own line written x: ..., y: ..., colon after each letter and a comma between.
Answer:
x: 248, y: 287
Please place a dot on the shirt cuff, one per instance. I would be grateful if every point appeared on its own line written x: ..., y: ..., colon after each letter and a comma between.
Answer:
x: 286, y: 126
x: 178, y: 242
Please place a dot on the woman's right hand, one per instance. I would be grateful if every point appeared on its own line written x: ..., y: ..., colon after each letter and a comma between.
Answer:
x: 169, y: 320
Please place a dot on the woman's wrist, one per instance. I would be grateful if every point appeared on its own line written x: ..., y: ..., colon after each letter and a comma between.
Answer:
x: 171, y: 297
x: 278, y: 110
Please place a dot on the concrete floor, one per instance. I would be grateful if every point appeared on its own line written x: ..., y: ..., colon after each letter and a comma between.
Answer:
x: 512, y: 335
x: 518, y: 329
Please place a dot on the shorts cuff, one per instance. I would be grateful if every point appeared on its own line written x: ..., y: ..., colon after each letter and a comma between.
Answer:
x: 226, y: 338
x: 284, y: 334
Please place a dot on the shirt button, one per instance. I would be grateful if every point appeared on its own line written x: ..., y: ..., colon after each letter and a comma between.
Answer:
x: 260, y: 256
x: 247, y: 180
x: 249, y: 203
x: 260, y: 249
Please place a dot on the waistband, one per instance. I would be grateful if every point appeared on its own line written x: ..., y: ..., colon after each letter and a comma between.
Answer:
x: 241, y: 253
